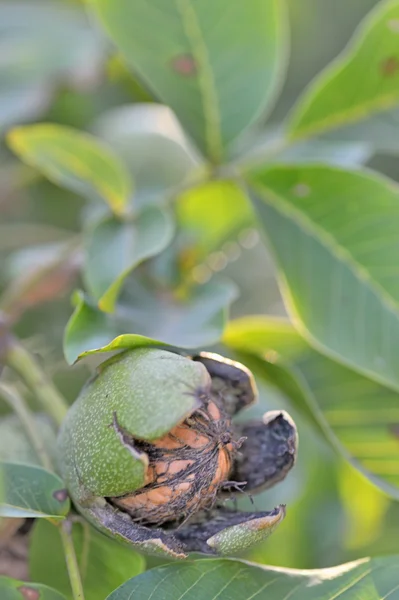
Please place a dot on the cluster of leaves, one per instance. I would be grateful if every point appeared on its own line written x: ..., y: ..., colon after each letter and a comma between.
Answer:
x: 176, y: 187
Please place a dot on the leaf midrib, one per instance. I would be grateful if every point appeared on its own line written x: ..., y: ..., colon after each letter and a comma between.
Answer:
x: 344, y: 257
x: 329, y: 241
x: 206, y: 80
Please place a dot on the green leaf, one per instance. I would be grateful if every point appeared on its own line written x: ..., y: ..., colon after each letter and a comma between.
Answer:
x: 216, y: 65
x: 88, y: 328
x: 361, y: 84
x: 114, y: 248
x: 152, y: 144
x: 358, y: 416
x: 334, y: 234
x: 32, y: 492
x: 195, y: 321
x: 210, y: 215
x: 104, y: 564
x: 12, y: 589
x: 371, y: 578
x: 74, y: 160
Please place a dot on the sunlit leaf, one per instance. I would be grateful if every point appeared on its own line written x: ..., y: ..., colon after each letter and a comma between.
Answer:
x: 75, y: 160
x: 365, y: 507
x: 334, y: 234
x: 202, y: 58
x: 211, y: 215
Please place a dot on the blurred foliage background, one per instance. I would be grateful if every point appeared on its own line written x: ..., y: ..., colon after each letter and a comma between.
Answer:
x: 56, y: 66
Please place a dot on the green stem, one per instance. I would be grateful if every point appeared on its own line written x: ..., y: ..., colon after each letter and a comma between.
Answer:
x: 20, y: 361
x: 27, y: 419
x: 84, y: 562
x: 65, y: 530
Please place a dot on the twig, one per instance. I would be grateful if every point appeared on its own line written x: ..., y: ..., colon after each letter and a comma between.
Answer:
x: 84, y: 560
x: 20, y: 361
x: 19, y: 406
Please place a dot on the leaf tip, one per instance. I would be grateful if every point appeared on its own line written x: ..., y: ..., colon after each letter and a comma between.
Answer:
x: 107, y: 302
x: 14, y: 138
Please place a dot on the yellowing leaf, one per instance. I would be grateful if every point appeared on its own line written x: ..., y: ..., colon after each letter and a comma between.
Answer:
x: 75, y: 160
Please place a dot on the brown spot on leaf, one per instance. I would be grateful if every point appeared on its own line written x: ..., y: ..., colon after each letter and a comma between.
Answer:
x: 390, y: 66
x: 29, y: 593
x: 184, y: 65
x: 60, y: 495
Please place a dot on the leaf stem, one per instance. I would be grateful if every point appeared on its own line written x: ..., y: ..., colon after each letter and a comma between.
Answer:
x: 21, y: 361
x: 65, y: 529
x: 19, y: 406
x: 84, y: 561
